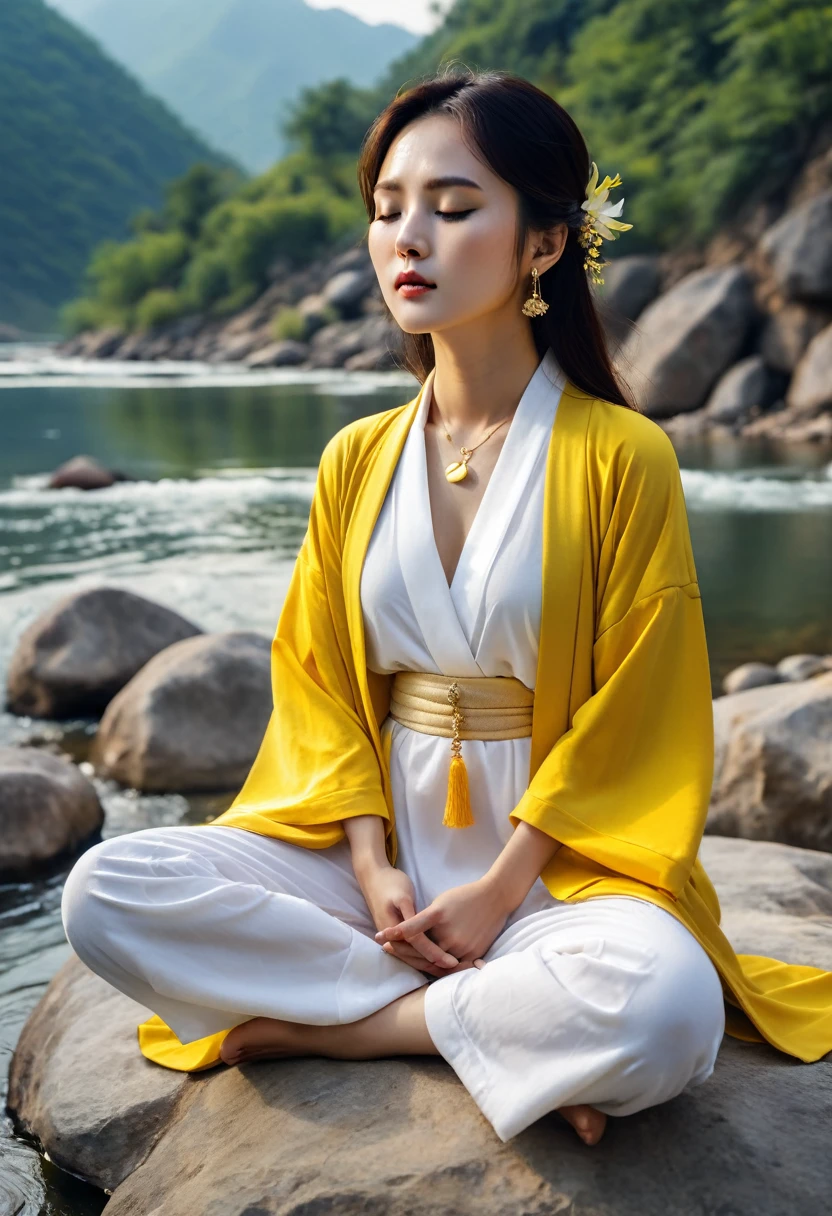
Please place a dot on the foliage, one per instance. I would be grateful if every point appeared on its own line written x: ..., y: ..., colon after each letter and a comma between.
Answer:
x: 289, y: 323
x: 704, y: 109
x: 81, y: 148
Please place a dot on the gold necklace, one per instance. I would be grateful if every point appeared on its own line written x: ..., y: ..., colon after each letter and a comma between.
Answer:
x: 457, y: 470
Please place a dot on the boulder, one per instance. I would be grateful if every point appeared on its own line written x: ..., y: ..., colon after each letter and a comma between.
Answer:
x: 83, y: 473
x: 810, y: 391
x: 374, y: 359
x: 403, y: 1138
x: 192, y: 719
x: 79, y: 1084
x: 315, y: 313
x: 788, y: 332
x: 746, y: 387
x: 798, y: 249
x: 286, y: 353
x: 47, y: 808
x: 334, y: 344
x: 773, y: 771
x: 686, y: 339
x: 630, y: 283
x: 346, y: 290
x: 802, y: 667
x: 750, y: 675
x: 76, y: 656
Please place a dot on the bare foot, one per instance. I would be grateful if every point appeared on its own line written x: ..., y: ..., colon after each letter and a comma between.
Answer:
x: 588, y: 1122
x: 259, y: 1039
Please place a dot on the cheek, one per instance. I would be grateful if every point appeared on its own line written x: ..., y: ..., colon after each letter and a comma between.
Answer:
x: 479, y: 256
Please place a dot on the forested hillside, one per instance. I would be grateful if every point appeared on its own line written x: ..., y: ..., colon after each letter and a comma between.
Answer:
x: 228, y: 67
x: 704, y: 110
x: 82, y: 147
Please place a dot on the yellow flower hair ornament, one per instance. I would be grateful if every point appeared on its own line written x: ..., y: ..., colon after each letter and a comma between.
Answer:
x: 600, y: 222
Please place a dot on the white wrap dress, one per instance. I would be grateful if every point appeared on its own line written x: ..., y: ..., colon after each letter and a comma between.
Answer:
x: 610, y: 1001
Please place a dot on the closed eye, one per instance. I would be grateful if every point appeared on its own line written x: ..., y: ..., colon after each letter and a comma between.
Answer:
x: 451, y: 216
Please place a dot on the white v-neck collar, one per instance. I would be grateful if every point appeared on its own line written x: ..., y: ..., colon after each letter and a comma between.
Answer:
x: 446, y: 613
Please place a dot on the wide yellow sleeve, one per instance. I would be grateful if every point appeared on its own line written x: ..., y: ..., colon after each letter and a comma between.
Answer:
x: 316, y: 765
x: 628, y: 784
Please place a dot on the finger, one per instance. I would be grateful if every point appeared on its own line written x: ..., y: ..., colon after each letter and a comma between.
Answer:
x: 479, y: 963
x: 429, y: 951
x: 409, y: 928
x: 407, y: 908
x: 406, y: 954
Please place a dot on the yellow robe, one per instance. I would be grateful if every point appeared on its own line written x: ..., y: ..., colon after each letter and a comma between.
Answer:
x: 622, y: 735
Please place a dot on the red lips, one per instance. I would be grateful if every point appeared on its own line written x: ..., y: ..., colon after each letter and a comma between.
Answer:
x: 411, y: 276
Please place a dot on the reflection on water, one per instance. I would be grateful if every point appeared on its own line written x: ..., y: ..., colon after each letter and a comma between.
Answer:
x: 210, y: 528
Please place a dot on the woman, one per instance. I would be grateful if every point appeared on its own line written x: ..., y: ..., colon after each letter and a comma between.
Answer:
x: 494, y: 611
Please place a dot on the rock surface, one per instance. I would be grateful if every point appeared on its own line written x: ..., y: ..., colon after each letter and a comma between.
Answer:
x: 686, y: 339
x: 76, y: 656
x: 192, y: 719
x: 750, y: 675
x: 773, y: 771
x: 47, y: 807
x: 811, y: 388
x: 403, y: 1138
x: 746, y: 387
x: 799, y: 250
x: 83, y: 473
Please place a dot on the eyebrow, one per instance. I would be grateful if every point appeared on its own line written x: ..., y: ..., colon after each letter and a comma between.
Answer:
x: 433, y: 183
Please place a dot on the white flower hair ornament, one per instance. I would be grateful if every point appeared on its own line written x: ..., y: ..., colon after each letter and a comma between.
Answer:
x: 600, y: 222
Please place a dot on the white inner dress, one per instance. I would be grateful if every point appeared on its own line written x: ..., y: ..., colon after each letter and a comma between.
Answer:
x: 487, y: 623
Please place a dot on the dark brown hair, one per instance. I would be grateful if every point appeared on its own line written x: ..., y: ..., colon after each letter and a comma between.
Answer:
x: 531, y: 142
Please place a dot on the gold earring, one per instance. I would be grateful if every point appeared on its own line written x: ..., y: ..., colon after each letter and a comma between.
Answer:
x: 535, y: 306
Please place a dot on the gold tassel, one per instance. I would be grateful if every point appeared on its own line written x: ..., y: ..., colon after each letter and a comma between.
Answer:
x: 458, y: 813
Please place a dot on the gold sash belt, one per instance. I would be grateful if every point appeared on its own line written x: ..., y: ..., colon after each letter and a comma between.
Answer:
x: 491, y: 707
x: 462, y: 707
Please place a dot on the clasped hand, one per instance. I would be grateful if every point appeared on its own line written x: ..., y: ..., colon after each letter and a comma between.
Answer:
x: 450, y: 934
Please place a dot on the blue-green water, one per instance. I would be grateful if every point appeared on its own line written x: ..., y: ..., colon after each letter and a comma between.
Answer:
x: 224, y: 470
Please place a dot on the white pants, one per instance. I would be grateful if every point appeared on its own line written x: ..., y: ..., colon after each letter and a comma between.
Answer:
x: 610, y: 1001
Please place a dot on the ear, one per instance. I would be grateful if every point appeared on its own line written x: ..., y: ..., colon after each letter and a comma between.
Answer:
x: 548, y: 247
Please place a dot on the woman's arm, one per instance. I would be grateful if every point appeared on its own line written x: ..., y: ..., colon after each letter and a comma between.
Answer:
x: 389, y: 894
x: 465, y: 920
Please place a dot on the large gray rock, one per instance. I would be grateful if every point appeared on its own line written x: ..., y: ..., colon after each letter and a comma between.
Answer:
x: 799, y: 250
x: 74, y: 658
x: 788, y: 332
x: 333, y: 345
x: 403, y: 1138
x: 686, y: 339
x: 776, y: 899
x: 747, y: 386
x: 630, y: 283
x: 804, y: 666
x: 751, y: 675
x: 286, y: 353
x: 810, y: 391
x: 47, y: 807
x: 83, y: 473
x: 347, y: 289
x: 192, y: 719
x: 773, y: 771
x: 79, y: 1084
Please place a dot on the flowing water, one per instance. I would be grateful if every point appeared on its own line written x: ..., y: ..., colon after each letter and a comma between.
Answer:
x: 224, y: 469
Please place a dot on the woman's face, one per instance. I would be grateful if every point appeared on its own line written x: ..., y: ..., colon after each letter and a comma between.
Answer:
x: 439, y: 211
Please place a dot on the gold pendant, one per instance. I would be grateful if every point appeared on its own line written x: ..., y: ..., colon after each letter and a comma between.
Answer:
x: 456, y: 471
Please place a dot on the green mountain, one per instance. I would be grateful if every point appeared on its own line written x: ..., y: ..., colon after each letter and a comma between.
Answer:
x: 705, y: 110
x: 82, y: 147
x: 229, y: 67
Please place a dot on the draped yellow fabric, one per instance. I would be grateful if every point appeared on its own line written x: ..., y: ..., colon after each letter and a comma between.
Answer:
x: 622, y: 730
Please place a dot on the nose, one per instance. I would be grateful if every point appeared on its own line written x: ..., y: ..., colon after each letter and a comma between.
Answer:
x: 410, y: 241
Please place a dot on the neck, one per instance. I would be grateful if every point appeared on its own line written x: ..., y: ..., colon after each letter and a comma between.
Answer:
x: 481, y: 373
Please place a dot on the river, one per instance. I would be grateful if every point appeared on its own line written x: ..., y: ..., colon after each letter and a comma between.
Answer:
x: 224, y: 464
